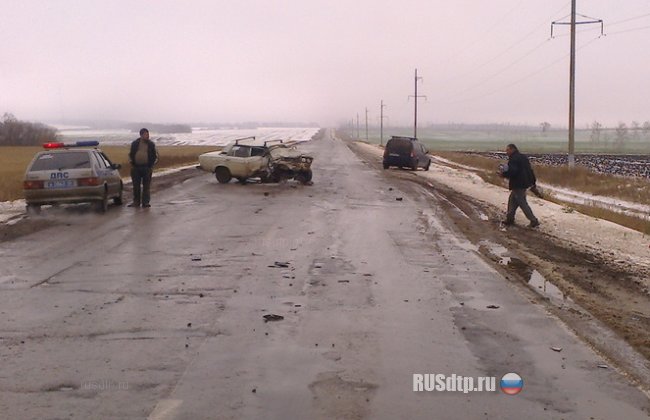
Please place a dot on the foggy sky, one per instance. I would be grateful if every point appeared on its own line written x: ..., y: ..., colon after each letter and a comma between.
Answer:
x: 317, y: 60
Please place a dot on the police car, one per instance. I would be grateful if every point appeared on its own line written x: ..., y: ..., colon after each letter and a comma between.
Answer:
x: 72, y: 173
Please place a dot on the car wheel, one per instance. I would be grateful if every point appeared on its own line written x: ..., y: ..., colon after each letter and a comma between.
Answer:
x: 33, y: 209
x: 242, y: 180
x: 386, y: 166
x: 414, y: 167
x: 426, y: 168
x: 118, y: 200
x: 304, y: 177
x: 101, y: 206
x: 223, y: 175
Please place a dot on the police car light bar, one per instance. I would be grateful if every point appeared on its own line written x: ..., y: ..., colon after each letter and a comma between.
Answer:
x: 59, y: 145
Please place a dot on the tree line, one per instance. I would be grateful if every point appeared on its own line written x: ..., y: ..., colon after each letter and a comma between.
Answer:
x: 622, y: 133
x: 14, y: 132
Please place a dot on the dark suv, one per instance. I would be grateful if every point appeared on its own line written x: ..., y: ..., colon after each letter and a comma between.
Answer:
x: 406, y: 152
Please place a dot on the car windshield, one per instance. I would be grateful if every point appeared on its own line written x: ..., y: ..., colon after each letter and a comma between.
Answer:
x: 61, y: 160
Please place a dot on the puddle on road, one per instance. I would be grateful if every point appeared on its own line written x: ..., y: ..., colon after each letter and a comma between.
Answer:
x: 535, y: 278
x: 540, y: 283
x: 181, y: 202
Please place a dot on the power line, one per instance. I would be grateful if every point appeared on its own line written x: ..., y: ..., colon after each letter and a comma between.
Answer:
x: 493, y: 58
x: 618, y: 22
x: 615, y: 23
x: 629, y: 30
x: 555, y: 62
x: 503, y: 69
x: 522, y: 79
x: 481, y: 37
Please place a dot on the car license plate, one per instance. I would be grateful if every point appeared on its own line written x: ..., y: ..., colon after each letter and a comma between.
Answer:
x: 61, y: 183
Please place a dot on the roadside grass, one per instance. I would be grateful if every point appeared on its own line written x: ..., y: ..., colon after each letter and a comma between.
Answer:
x: 578, y: 179
x: 14, y: 161
x: 631, y: 222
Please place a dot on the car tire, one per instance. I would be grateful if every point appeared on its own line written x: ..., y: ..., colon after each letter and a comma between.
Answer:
x: 414, y: 167
x: 222, y: 174
x: 118, y: 201
x: 426, y: 168
x: 386, y: 166
x: 242, y: 180
x: 304, y: 177
x: 101, y: 206
x: 33, y: 209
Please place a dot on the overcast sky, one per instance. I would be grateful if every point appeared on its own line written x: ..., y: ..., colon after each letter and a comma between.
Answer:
x: 323, y: 61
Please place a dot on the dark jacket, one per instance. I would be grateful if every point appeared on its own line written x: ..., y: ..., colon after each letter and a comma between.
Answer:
x: 519, y: 172
x: 151, y: 152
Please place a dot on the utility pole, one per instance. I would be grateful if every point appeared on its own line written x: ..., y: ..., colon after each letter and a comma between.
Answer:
x: 366, y: 123
x: 416, y: 96
x: 357, y: 126
x: 572, y: 88
x: 381, y: 123
x: 572, y: 75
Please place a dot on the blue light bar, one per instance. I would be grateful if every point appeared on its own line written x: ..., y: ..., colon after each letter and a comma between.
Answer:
x: 87, y: 143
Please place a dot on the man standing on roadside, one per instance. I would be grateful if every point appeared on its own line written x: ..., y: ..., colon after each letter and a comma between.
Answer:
x: 143, y: 156
x: 521, y: 177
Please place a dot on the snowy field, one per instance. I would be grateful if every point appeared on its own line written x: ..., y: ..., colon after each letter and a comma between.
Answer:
x: 199, y: 136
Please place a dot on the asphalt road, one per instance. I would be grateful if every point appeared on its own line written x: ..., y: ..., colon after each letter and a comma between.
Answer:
x: 159, y: 313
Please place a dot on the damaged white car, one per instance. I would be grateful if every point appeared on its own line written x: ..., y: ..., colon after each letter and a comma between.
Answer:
x: 274, y: 161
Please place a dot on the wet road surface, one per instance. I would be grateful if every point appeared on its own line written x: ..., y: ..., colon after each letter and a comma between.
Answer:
x: 159, y: 313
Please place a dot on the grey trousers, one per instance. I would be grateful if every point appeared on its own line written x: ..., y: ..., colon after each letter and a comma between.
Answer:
x: 518, y: 199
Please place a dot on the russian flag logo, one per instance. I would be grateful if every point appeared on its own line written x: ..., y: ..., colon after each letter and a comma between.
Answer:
x: 511, y: 384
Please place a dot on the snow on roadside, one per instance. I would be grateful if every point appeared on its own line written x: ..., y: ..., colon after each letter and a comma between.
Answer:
x: 11, y: 210
x: 577, y: 197
x: 621, y: 243
x: 614, y: 204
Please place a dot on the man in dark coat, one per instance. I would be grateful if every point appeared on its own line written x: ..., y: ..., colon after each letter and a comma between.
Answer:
x: 143, y: 156
x: 521, y: 177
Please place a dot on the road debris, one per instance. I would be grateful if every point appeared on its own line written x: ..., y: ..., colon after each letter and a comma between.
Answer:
x: 272, y: 317
x: 280, y: 264
x: 557, y: 349
x: 493, y: 306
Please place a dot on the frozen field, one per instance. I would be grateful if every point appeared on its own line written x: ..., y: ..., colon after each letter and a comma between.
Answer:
x: 199, y: 137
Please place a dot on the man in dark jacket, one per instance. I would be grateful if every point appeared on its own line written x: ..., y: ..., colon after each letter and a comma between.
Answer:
x: 143, y: 156
x: 521, y: 177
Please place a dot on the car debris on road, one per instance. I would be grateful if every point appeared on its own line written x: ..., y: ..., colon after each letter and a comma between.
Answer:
x: 272, y: 317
